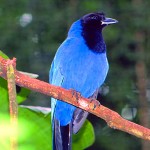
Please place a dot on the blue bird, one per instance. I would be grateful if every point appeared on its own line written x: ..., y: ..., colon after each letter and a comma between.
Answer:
x: 80, y: 64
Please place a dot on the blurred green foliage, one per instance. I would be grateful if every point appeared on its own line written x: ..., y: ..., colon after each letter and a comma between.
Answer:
x: 32, y: 30
x: 34, y: 126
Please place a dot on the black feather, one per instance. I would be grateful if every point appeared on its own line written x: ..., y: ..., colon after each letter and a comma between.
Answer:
x: 92, y: 31
x: 62, y: 132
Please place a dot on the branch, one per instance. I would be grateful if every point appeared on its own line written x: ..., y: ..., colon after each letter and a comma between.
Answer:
x: 13, y: 107
x: 113, y: 119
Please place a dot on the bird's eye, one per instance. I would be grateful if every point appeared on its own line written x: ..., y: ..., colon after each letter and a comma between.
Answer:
x: 94, y: 18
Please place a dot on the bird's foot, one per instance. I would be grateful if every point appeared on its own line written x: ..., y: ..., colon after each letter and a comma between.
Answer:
x: 76, y: 94
x: 94, y: 103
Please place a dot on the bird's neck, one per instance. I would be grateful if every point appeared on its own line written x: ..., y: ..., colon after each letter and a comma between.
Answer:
x: 75, y: 29
x: 94, y: 39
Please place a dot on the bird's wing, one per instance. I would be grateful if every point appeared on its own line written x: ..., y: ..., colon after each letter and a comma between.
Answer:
x: 58, y: 74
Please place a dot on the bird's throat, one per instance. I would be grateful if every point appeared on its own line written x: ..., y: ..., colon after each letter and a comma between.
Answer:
x: 94, y: 40
x: 93, y: 37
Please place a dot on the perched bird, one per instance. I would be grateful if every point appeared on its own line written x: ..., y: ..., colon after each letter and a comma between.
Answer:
x: 80, y: 64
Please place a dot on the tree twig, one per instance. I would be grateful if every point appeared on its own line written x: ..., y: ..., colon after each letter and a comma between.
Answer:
x: 113, y: 119
x: 13, y: 107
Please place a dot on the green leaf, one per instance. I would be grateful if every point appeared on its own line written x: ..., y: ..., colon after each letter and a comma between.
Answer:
x: 34, y: 123
x: 39, y: 109
x: 3, y: 55
x: 22, y: 95
x: 4, y: 107
x: 37, y: 127
x: 85, y: 137
x: 5, y: 131
x: 4, y: 104
x: 37, y: 133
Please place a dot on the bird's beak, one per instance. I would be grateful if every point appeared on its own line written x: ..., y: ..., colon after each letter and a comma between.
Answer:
x: 108, y: 21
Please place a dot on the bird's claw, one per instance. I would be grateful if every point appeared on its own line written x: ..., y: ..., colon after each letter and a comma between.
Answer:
x: 94, y: 103
x: 76, y: 94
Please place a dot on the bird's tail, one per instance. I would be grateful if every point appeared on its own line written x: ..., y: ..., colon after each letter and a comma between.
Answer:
x: 62, y: 136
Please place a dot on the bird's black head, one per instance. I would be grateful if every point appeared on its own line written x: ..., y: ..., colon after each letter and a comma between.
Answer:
x: 93, y: 20
x: 96, y: 20
x: 92, y: 25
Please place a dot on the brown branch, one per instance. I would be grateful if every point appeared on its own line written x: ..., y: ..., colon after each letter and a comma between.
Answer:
x: 113, y: 119
x: 13, y: 108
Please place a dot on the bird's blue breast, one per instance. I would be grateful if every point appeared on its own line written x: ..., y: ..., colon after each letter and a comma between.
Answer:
x: 76, y: 67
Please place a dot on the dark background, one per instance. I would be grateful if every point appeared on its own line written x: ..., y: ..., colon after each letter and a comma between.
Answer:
x: 32, y: 30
